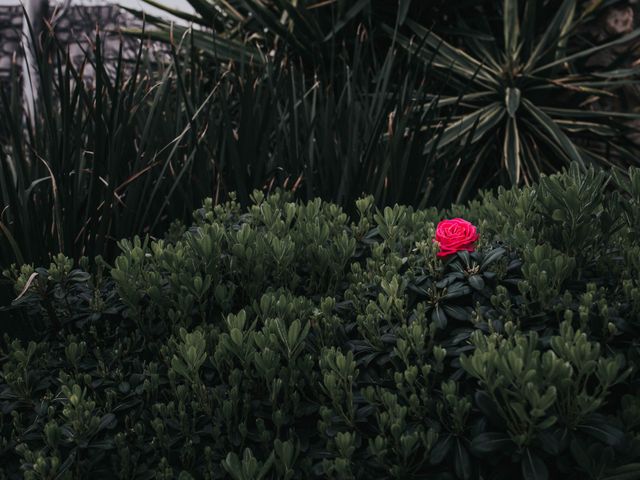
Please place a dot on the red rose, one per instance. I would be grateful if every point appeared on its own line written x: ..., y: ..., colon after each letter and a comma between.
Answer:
x: 455, y: 235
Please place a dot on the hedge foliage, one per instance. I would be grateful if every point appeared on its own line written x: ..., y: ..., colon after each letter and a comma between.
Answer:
x: 290, y: 341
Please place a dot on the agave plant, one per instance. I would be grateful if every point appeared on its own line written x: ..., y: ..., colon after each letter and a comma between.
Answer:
x: 520, y: 85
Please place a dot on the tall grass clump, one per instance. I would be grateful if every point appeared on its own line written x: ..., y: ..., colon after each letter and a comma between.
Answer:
x: 100, y: 158
x: 145, y: 141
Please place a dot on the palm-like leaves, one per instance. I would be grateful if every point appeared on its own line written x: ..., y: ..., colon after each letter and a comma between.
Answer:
x: 523, y: 93
x: 239, y: 30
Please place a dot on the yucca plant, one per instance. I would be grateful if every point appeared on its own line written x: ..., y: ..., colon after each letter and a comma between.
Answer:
x: 312, y: 30
x: 517, y: 85
x: 522, y: 87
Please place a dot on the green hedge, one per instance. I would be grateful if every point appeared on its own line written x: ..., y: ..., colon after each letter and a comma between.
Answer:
x: 290, y: 341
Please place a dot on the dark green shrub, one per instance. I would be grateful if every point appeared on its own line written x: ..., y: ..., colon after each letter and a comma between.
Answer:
x: 288, y: 341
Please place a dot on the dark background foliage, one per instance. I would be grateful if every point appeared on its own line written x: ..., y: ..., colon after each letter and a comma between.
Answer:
x: 333, y: 100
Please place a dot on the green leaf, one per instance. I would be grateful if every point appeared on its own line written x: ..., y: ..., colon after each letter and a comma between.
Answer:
x: 476, y: 282
x: 441, y: 449
x: 580, y: 454
x: 550, y: 442
x: 512, y: 152
x: 533, y: 468
x: 490, y: 442
x: 630, y: 471
x: 447, y: 56
x: 511, y: 27
x: 488, y: 407
x: 462, y: 460
x: 403, y: 10
x: 438, y: 316
x: 456, y: 311
x: 456, y: 290
x: 4, y: 230
x: 529, y: 28
x: 491, y: 257
x: 482, y: 120
x: 589, y: 51
x: 107, y: 421
x: 512, y: 99
x: 473, y: 174
x: 213, y: 45
x: 548, y: 43
x: 465, y: 257
x: 598, y: 427
x: 547, y: 124
x: 355, y: 9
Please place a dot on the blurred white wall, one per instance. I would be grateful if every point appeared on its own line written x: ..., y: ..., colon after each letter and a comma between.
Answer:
x: 179, y: 4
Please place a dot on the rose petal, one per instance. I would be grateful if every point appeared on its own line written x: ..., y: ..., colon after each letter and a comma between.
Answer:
x: 455, y: 235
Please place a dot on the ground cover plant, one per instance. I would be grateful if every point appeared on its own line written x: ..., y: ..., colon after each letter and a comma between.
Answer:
x: 291, y: 340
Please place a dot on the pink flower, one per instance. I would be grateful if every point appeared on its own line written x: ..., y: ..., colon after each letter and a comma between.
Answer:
x: 455, y: 235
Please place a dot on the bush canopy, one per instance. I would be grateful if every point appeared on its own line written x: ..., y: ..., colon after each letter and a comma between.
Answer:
x: 287, y: 340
